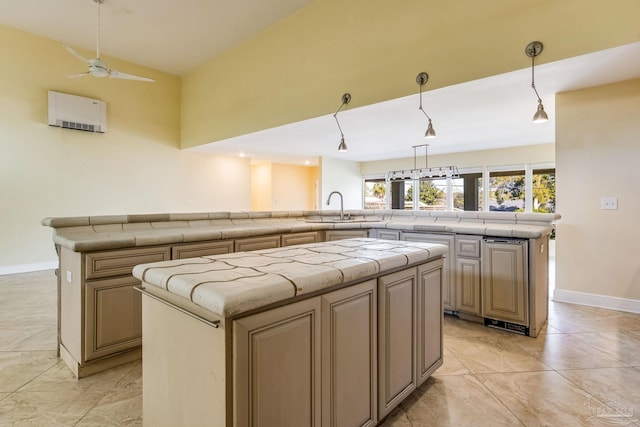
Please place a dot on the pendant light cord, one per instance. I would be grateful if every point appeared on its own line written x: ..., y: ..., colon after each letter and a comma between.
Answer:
x: 533, y: 83
x: 420, y: 107
x: 335, y: 116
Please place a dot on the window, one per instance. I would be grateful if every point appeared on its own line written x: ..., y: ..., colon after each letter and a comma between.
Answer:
x: 521, y: 188
x: 544, y: 190
x: 433, y: 194
x: 507, y: 191
x: 467, y: 192
x: 375, y: 191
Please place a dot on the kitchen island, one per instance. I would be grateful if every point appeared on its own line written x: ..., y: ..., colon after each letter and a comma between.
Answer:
x: 340, y: 331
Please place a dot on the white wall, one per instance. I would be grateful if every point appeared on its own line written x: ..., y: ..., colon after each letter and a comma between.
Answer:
x: 343, y: 176
x: 541, y: 153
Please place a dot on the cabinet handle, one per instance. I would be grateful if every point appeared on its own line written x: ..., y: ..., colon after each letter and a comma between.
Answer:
x: 213, y: 323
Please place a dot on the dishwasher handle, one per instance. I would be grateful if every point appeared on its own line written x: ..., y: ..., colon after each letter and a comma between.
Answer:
x: 505, y: 240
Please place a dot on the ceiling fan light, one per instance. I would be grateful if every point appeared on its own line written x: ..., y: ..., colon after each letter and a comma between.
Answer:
x: 430, y: 133
x: 343, y: 146
x: 540, y: 116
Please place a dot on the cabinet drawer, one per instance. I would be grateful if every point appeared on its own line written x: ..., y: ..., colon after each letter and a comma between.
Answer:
x: 331, y: 235
x: 299, y: 238
x: 202, y: 249
x: 256, y: 243
x: 468, y: 246
x: 386, y: 234
x: 121, y: 262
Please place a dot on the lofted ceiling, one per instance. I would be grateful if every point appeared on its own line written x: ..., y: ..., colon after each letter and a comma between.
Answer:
x: 175, y: 37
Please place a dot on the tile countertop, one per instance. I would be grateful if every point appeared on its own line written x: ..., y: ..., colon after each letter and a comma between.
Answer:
x: 230, y: 284
x: 93, y: 233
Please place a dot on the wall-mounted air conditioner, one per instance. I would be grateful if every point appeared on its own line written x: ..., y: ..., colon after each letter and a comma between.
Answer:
x: 77, y: 112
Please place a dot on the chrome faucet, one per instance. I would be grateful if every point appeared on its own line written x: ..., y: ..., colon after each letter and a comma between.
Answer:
x: 341, y: 203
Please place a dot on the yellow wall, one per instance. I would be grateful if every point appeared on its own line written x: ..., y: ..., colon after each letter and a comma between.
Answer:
x: 136, y: 167
x: 598, y: 155
x: 374, y: 48
x: 261, y: 187
x: 282, y: 187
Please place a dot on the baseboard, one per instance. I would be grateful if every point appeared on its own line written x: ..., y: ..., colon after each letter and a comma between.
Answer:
x: 595, y: 300
x: 28, y: 268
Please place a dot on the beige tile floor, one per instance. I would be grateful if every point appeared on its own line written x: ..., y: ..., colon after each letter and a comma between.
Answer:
x: 586, y: 362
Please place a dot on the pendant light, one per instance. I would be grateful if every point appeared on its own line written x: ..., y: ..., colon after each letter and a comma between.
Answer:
x: 532, y: 50
x: 421, y: 79
x: 346, y: 98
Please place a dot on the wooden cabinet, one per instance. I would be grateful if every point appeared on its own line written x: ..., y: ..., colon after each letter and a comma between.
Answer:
x: 280, y: 353
x: 468, y: 286
x: 505, y: 281
x: 330, y: 235
x: 467, y: 276
x: 100, y: 313
x: 397, y: 333
x: 113, y: 318
x: 276, y: 371
x: 448, y: 284
x: 430, y: 316
x: 299, y: 238
x: 191, y: 250
x: 349, y: 363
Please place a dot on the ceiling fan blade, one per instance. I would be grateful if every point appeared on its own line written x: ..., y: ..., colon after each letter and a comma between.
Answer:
x: 120, y: 75
x: 73, y: 76
x: 76, y: 54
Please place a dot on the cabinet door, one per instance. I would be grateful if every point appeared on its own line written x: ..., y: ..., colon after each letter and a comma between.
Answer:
x: 349, y: 356
x: 429, y: 319
x: 276, y: 367
x: 113, y: 316
x: 331, y: 235
x: 505, y: 282
x: 397, y: 320
x: 468, y: 286
x: 448, y: 288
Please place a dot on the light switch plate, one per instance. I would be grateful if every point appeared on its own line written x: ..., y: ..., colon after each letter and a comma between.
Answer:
x: 609, y: 203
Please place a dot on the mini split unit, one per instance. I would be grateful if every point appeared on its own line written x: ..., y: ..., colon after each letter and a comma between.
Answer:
x: 77, y: 112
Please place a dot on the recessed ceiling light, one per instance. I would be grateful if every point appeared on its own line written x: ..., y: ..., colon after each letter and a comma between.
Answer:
x: 241, y: 154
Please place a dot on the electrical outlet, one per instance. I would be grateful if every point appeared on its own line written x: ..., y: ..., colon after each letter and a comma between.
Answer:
x: 609, y: 203
x: 69, y: 277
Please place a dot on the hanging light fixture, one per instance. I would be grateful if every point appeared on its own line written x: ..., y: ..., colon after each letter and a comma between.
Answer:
x: 532, y: 50
x: 424, y: 173
x: 346, y: 98
x: 421, y: 79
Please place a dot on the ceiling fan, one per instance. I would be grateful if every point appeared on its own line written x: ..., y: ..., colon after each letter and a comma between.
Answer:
x: 97, y: 67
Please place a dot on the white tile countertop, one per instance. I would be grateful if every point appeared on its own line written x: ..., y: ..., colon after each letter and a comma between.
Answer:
x: 234, y: 283
x: 93, y: 233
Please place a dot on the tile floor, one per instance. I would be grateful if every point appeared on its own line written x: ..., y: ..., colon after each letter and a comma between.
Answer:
x: 583, y: 370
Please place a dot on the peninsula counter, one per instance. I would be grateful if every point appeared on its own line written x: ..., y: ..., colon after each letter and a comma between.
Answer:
x: 100, y: 313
